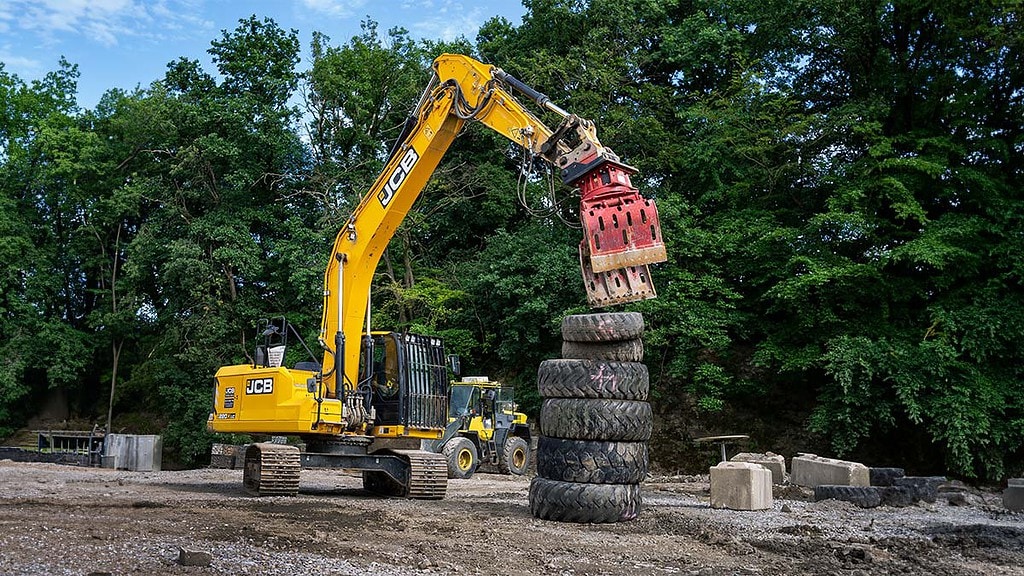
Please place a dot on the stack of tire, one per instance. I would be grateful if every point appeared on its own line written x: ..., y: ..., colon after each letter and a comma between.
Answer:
x: 594, y: 422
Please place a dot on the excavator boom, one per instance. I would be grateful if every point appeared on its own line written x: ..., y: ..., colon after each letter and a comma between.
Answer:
x: 622, y: 233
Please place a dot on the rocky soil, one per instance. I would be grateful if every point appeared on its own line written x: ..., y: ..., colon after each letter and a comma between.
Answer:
x: 57, y: 520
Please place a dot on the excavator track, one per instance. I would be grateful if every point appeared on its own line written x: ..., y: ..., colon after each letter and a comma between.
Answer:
x: 271, y: 470
x: 428, y: 474
x: 428, y: 477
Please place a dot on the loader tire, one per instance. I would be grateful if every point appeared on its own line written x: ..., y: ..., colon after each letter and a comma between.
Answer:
x: 619, y: 351
x: 462, y: 457
x: 574, y: 502
x: 596, y: 419
x: 593, y: 462
x: 515, y: 456
x: 593, y: 379
x: 603, y: 327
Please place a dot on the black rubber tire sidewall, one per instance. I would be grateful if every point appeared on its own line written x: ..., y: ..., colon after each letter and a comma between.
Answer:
x: 592, y: 461
x: 603, y: 327
x: 507, y: 462
x: 451, y: 453
x: 619, y: 351
x: 583, y: 503
x: 573, y: 378
x: 596, y: 419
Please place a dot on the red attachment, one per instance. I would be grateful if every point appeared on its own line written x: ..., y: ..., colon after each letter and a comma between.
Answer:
x: 629, y: 284
x: 621, y: 227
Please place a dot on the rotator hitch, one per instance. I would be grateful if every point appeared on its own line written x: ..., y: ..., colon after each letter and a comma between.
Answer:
x: 621, y: 230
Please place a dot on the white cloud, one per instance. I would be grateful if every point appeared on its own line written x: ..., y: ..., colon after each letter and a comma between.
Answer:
x: 105, y: 22
x: 334, y: 8
x: 452, y: 20
x: 20, y: 65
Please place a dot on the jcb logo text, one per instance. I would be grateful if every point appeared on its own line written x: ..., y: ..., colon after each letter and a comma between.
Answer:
x: 259, y: 386
x: 397, y: 177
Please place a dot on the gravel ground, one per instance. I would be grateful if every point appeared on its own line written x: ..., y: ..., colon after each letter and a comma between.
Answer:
x: 57, y: 520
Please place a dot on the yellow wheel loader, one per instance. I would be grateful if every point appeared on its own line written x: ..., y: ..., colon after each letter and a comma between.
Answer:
x: 484, y: 428
x: 368, y: 398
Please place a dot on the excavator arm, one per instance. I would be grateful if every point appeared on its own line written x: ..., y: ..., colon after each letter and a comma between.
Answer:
x: 622, y: 232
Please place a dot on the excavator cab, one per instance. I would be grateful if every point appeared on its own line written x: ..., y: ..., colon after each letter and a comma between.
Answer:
x: 405, y: 376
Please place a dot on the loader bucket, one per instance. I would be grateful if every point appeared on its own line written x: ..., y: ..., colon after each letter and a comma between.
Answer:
x: 621, y: 227
x: 617, y: 286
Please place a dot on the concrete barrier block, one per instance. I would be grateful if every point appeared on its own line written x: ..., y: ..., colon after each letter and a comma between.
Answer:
x: 1013, y: 497
x: 741, y: 486
x: 811, y: 470
x: 775, y: 463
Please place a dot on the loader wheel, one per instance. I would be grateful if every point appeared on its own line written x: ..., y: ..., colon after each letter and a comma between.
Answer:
x: 596, y: 419
x: 592, y: 462
x: 462, y: 457
x: 515, y: 457
x: 603, y: 327
x: 575, y: 502
x: 620, y: 351
x: 593, y: 379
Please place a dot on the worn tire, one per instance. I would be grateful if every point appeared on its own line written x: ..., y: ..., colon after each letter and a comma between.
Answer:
x: 462, y: 457
x: 863, y: 496
x: 575, y: 502
x: 593, y: 379
x: 603, y: 327
x: 619, y: 351
x: 515, y: 456
x: 592, y: 462
x: 596, y: 419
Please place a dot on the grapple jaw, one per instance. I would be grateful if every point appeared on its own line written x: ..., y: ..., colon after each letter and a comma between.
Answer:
x: 621, y: 235
x: 617, y: 286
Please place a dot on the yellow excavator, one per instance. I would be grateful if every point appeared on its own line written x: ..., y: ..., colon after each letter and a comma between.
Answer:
x: 375, y: 396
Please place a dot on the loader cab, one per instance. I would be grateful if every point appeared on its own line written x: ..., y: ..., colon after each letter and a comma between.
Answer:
x: 405, y: 377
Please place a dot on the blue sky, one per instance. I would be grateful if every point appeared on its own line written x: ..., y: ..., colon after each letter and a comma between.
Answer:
x: 126, y: 43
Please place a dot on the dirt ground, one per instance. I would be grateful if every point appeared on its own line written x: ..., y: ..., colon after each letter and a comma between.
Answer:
x: 57, y: 520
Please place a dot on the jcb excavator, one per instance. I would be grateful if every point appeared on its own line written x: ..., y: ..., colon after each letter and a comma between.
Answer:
x: 376, y: 395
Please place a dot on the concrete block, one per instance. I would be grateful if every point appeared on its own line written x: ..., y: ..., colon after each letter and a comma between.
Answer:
x: 775, y: 463
x: 811, y: 470
x: 135, y: 452
x: 885, y: 476
x: 1013, y: 497
x: 1015, y: 482
x: 741, y: 486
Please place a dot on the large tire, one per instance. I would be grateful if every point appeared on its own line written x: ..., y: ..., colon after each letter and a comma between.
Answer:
x: 596, y: 419
x: 573, y: 502
x: 619, y: 351
x: 863, y: 496
x: 462, y: 457
x: 515, y: 456
x: 593, y: 379
x: 592, y: 462
x: 603, y: 327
